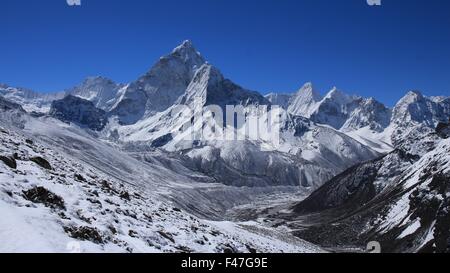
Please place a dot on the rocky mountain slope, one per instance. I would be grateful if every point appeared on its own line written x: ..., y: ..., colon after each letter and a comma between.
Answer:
x: 398, y: 200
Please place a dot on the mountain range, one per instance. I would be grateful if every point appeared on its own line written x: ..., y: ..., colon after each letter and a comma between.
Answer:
x: 346, y: 170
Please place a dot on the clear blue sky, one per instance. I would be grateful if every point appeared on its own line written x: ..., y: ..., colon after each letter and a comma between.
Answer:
x: 264, y: 45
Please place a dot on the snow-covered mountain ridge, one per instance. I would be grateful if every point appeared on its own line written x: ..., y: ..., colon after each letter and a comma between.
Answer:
x: 101, y: 91
x: 366, y: 119
x: 166, y: 83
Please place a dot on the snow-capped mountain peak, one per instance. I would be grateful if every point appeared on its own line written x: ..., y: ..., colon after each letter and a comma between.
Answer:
x: 91, y: 80
x: 309, y: 91
x: 209, y: 86
x: 304, y: 101
x: 414, y: 108
x: 187, y: 51
x: 160, y: 87
x: 411, y: 97
x: 99, y: 90
x: 413, y: 94
x: 369, y: 113
x: 333, y: 109
x: 338, y: 96
x: 185, y: 54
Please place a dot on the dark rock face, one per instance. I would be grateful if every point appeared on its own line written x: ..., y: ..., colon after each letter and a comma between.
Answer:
x: 166, y: 235
x: 443, y: 129
x: 299, y: 125
x: 131, y: 108
x: 85, y: 234
x: 43, y: 196
x: 9, y: 161
x: 125, y: 195
x: 353, y: 187
x: 432, y: 203
x: 442, y: 231
x: 12, y: 113
x: 6, y: 105
x: 41, y: 162
x: 357, y: 185
x: 80, y: 112
x: 161, y: 141
x: 80, y: 178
